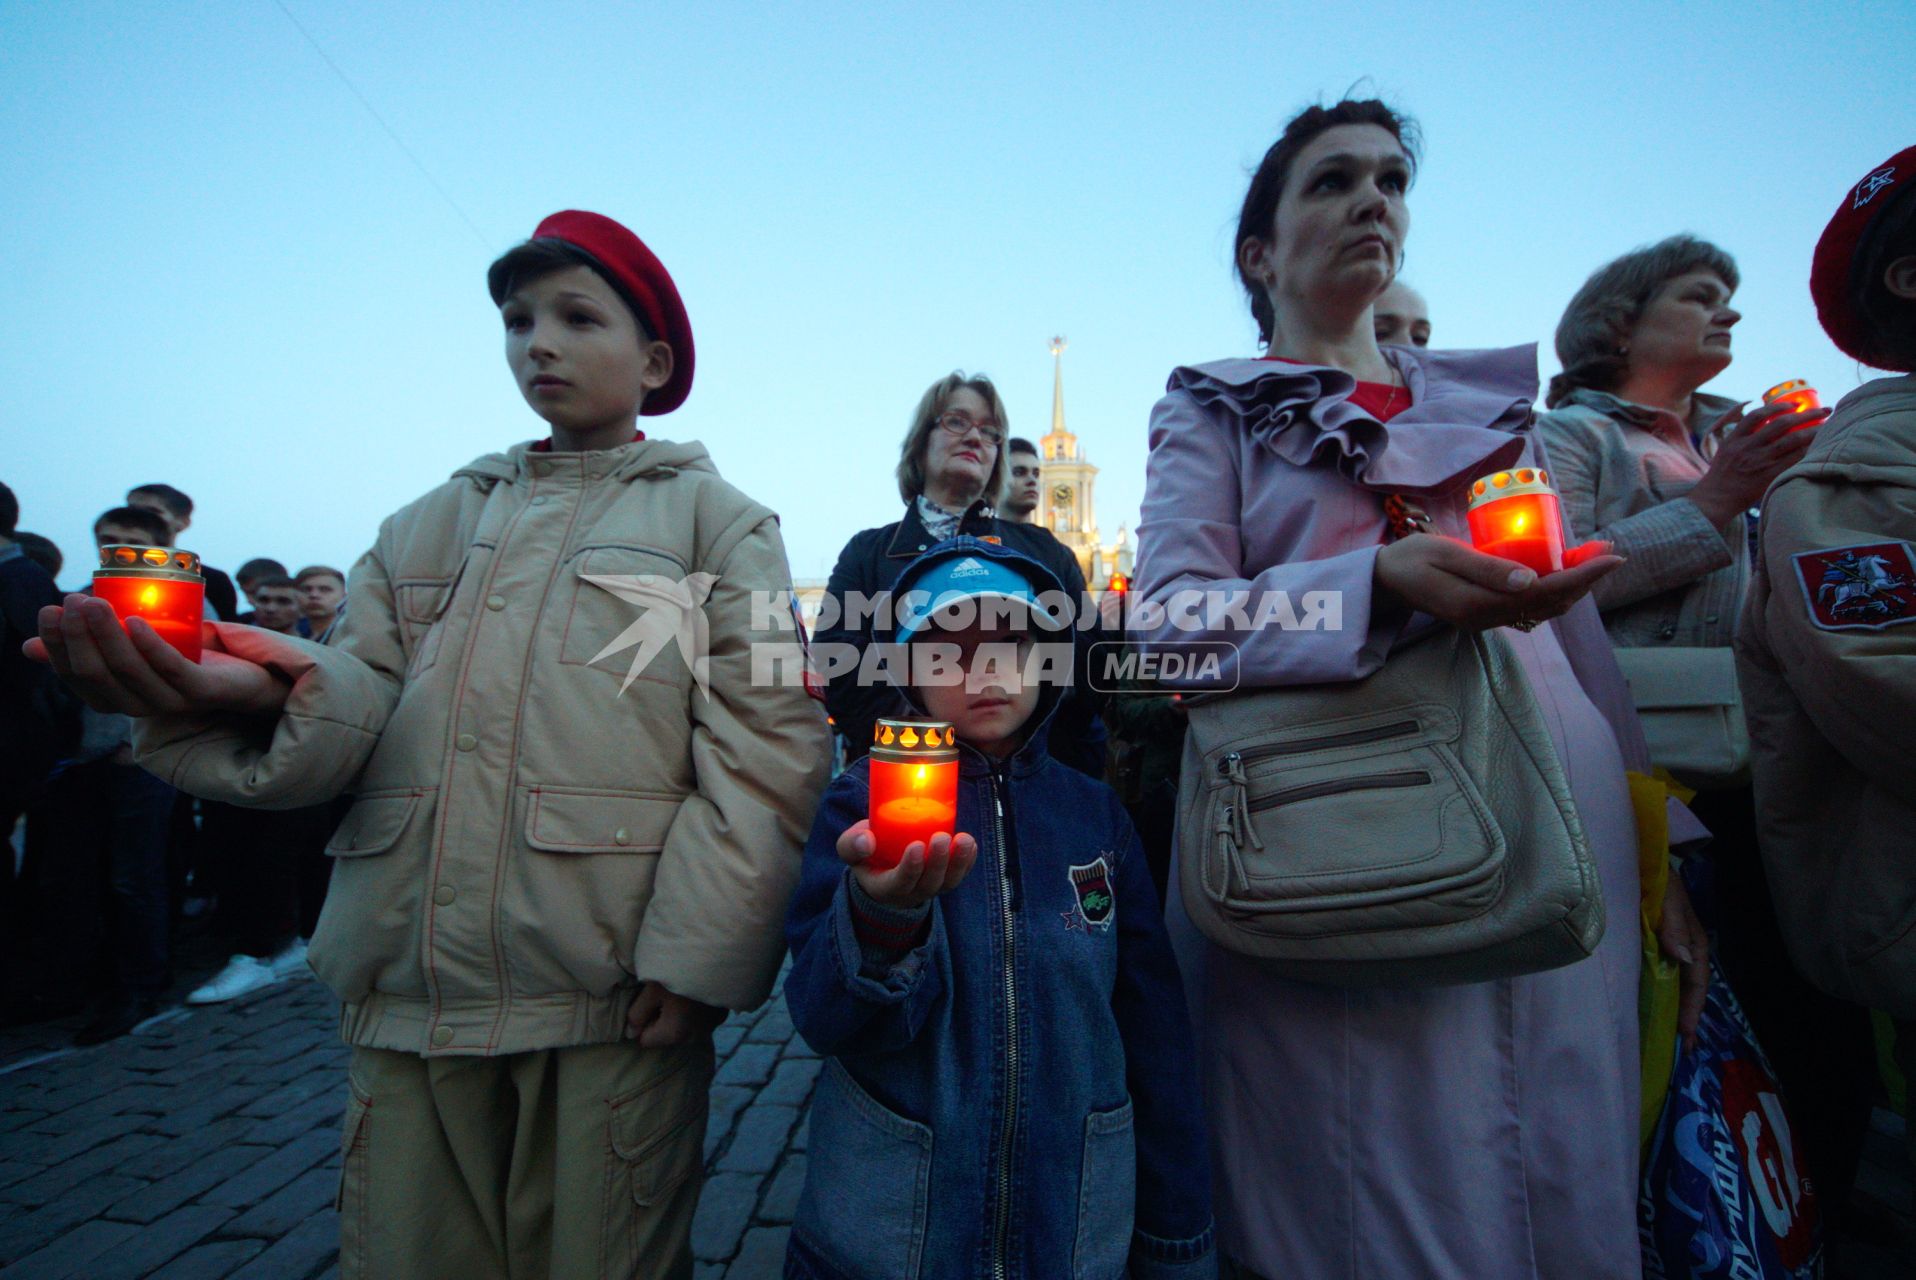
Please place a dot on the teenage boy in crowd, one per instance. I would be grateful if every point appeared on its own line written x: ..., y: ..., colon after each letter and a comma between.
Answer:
x: 250, y: 575
x: 558, y: 844
x: 1031, y: 932
x: 1021, y: 480
x: 322, y: 593
x: 176, y: 510
x: 276, y: 606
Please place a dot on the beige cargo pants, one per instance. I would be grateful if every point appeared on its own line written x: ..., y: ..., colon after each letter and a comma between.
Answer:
x: 563, y: 1164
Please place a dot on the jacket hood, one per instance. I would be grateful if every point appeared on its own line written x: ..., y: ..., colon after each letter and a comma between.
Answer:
x: 1466, y: 407
x: 1032, y: 752
x: 639, y: 459
x: 1871, y: 428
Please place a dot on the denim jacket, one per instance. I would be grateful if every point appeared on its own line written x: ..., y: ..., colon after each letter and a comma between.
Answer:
x: 1015, y: 1095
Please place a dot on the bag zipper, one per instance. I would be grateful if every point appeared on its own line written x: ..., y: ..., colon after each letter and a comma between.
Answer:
x: 1337, y: 786
x: 1008, y: 1127
x: 1355, y: 737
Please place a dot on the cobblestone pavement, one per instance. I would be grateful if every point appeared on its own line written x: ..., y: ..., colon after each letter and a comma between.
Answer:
x: 207, y: 1145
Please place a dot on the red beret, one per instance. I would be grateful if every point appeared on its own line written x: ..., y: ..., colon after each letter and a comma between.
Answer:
x: 1836, y: 251
x: 636, y: 270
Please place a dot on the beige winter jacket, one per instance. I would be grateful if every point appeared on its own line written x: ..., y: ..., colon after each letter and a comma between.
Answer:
x: 530, y: 839
x: 1827, y: 661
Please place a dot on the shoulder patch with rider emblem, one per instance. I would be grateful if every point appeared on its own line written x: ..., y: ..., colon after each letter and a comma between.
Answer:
x: 1859, y: 588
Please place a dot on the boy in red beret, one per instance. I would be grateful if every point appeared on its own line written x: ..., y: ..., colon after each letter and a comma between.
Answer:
x: 577, y: 821
x: 1826, y: 653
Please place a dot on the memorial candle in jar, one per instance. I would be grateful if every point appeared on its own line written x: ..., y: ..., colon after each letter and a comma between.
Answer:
x: 159, y: 584
x: 1514, y: 515
x: 914, y: 786
x: 1799, y: 395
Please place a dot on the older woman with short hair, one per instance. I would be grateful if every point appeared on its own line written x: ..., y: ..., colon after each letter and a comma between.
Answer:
x: 1666, y: 473
x: 950, y: 473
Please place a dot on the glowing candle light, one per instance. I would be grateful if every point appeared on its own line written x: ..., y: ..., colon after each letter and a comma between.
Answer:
x: 1799, y: 395
x: 1514, y: 515
x: 159, y: 584
x: 914, y: 786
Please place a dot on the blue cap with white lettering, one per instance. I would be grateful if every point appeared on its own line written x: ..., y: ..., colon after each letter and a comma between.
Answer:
x: 961, y: 587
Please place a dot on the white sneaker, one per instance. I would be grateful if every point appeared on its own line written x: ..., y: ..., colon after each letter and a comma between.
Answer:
x: 291, y: 963
x: 241, y: 975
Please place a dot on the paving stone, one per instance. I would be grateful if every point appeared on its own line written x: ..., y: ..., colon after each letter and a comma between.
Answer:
x: 749, y: 1064
x: 762, y: 1256
x: 803, y: 1137
x: 726, y: 1039
x: 792, y: 1083
x: 175, y: 1153
x: 760, y: 1139
x: 52, y: 1148
x: 708, y: 1271
x: 781, y: 1198
x: 219, y: 1100
x: 724, y: 1105
x: 159, y: 1243
x: 22, y: 1235
x: 153, y: 1201
x: 725, y: 1210
x: 274, y: 1171
x: 773, y: 1027
x: 211, y: 1261
x: 72, y: 1253
x: 323, y: 1112
x: 797, y: 1048
x: 291, y: 1205
x: 141, y: 1099
x: 300, y: 1252
x: 58, y: 1179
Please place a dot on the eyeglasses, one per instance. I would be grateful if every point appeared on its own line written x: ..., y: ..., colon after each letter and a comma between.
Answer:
x: 962, y: 424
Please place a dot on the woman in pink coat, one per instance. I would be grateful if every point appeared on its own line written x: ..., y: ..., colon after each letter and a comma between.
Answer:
x: 1486, y: 1131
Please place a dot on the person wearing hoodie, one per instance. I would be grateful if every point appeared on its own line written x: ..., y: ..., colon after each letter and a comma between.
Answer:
x: 1009, y: 1085
x: 565, y: 858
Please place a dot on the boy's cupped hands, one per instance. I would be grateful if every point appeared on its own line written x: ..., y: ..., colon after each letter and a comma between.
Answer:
x: 923, y: 872
x: 133, y: 672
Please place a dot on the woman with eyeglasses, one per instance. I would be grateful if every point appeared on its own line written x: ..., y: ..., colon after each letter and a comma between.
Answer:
x: 951, y: 471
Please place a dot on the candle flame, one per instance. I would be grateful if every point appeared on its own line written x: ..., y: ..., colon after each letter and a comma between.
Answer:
x: 149, y: 597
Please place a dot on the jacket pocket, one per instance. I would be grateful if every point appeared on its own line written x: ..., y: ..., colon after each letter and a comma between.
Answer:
x: 599, y: 617
x: 355, y: 1134
x: 421, y: 604
x: 1107, y: 1195
x: 867, y: 1183
x: 581, y: 820
x: 655, y: 1138
x: 374, y: 824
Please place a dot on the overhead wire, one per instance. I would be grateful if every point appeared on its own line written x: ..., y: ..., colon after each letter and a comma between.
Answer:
x: 390, y: 132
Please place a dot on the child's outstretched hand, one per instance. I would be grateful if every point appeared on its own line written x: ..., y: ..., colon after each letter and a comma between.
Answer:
x: 134, y: 672
x: 922, y: 873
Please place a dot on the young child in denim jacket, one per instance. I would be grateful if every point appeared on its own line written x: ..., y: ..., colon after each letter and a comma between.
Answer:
x: 1008, y: 1088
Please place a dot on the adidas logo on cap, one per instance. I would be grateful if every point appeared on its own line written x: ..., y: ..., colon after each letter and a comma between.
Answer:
x: 969, y: 568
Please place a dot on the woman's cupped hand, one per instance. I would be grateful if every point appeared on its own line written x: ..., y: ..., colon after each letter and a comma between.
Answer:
x: 1455, y: 583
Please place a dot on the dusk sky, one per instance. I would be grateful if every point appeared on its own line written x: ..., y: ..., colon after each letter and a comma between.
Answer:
x: 227, y: 274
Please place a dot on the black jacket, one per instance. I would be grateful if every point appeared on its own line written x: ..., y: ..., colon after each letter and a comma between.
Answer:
x: 872, y: 562
x: 41, y: 716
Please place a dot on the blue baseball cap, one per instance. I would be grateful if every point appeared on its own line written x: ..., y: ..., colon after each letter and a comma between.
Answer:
x: 963, y: 577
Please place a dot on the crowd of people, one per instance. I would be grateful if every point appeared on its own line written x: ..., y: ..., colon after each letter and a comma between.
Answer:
x: 111, y: 859
x: 1045, y: 1054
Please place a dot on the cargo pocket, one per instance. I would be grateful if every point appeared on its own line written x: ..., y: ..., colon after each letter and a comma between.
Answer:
x: 655, y: 1142
x: 1107, y: 1196
x: 867, y: 1182
x: 421, y: 605
x: 350, y: 1200
x: 586, y: 820
x: 597, y: 617
x: 374, y: 824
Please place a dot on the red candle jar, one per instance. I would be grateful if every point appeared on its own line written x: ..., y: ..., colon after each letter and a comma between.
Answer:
x: 1514, y: 515
x: 914, y: 786
x: 159, y: 584
x: 1799, y: 395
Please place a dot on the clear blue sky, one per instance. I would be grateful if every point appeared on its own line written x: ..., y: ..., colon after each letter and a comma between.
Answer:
x: 224, y: 274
